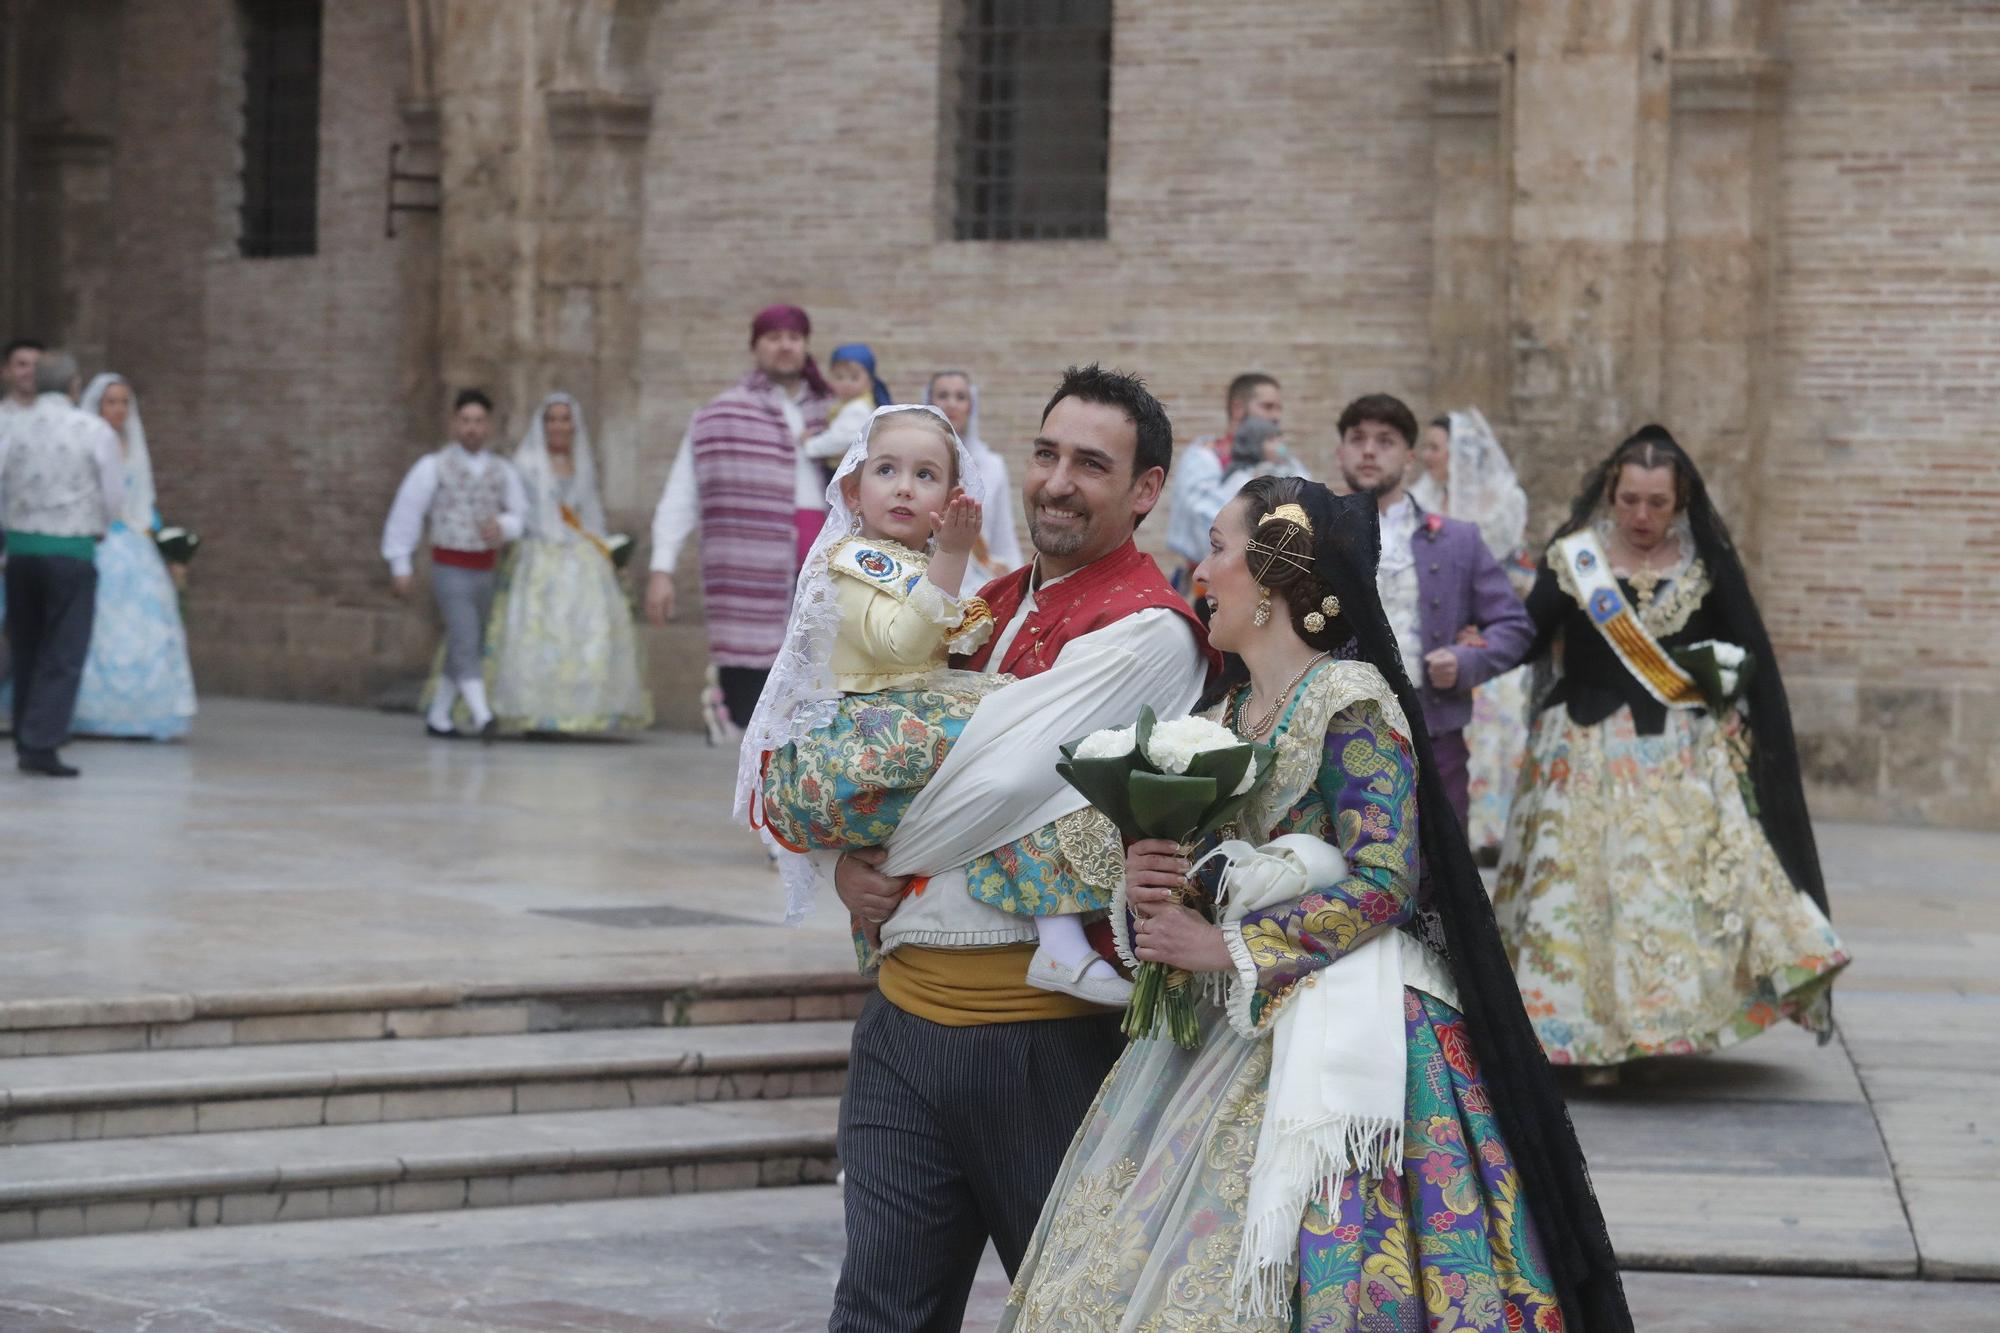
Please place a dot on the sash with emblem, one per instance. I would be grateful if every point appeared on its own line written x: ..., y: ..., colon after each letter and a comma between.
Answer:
x: 1597, y: 590
x: 883, y: 565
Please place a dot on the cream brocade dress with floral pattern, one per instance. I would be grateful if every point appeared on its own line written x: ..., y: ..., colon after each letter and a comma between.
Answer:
x: 1641, y: 903
x: 1142, y: 1229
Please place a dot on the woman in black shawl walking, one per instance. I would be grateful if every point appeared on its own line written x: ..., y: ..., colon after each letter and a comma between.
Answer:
x: 1660, y: 890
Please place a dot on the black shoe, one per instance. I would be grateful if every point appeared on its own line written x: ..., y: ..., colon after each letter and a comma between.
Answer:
x: 490, y: 732
x: 442, y: 733
x: 45, y: 763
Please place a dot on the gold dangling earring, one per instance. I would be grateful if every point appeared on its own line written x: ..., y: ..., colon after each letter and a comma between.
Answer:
x: 1263, y: 616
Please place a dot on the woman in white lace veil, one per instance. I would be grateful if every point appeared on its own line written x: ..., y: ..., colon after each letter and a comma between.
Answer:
x: 564, y: 656
x: 140, y: 499
x: 800, y: 694
x: 548, y: 491
x: 954, y: 393
x: 137, y: 680
x: 1467, y: 476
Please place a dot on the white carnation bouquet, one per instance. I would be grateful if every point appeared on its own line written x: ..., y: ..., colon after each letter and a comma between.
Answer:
x: 1181, y: 779
x: 1723, y: 672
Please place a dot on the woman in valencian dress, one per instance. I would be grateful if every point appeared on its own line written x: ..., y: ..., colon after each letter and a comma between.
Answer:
x: 137, y: 681
x: 561, y: 650
x: 1660, y: 890
x: 1367, y: 1136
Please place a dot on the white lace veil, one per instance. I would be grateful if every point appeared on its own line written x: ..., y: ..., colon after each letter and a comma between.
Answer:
x: 140, y: 499
x: 1481, y: 488
x: 972, y: 438
x: 544, y: 487
x: 799, y: 695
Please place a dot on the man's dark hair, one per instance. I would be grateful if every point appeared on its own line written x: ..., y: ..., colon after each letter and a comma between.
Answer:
x: 19, y: 343
x: 471, y: 396
x: 1246, y: 384
x: 1128, y: 393
x: 1442, y: 421
x: 1383, y: 409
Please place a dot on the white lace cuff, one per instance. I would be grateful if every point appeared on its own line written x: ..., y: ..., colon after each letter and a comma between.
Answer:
x: 1243, y: 985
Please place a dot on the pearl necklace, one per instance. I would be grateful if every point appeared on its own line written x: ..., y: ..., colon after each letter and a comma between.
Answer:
x: 1264, y: 723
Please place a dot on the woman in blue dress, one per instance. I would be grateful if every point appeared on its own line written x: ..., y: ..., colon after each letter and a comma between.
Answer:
x: 136, y: 681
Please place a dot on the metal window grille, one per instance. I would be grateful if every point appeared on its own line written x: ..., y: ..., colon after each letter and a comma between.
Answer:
x: 1033, y: 120
x: 281, y: 72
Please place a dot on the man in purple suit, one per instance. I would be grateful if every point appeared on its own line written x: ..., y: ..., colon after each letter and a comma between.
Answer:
x: 1436, y: 578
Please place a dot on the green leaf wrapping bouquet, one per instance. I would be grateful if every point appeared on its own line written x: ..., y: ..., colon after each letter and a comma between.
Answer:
x: 1181, y: 780
x: 177, y: 545
x: 1722, y: 671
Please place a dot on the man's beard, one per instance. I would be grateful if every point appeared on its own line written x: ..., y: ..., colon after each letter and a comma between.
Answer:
x: 1058, y: 544
x: 1375, y: 492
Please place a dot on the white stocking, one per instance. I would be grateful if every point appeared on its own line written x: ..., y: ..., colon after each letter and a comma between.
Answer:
x: 475, y: 701
x: 1063, y: 940
x: 442, y: 699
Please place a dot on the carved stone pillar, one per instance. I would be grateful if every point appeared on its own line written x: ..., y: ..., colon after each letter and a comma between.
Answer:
x: 1470, y: 88
x: 1604, y: 178
x: 543, y: 125
x: 1718, y: 326
x: 588, y: 269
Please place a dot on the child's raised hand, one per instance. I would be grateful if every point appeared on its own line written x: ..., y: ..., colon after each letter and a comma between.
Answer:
x: 957, y: 529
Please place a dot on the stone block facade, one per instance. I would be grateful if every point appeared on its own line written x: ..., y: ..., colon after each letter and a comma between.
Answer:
x: 1766, y: 223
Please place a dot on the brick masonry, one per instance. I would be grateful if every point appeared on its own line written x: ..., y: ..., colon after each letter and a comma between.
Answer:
x: 1282, y: 195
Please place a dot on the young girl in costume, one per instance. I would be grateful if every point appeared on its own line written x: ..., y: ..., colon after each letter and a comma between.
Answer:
x: 850, y: 372
x: 861, y: 708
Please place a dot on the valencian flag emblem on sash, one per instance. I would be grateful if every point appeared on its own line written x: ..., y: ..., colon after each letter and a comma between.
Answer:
x: 1628, y: 636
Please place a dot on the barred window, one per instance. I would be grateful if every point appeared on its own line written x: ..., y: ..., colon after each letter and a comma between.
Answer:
x: 1033, y: 119
x: 281, y: 70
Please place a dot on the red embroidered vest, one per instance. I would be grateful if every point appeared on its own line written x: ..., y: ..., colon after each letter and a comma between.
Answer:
x: 1101, y: 592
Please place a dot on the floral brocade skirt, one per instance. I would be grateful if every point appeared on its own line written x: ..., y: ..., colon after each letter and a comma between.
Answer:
x: 1495, y: 740
x: 1641, y: 904
x: 561, y: 650
x: 849, y: 785
x: 1142, y: 1229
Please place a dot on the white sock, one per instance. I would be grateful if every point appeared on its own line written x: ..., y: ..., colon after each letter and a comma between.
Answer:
x: 475, y: 701
x: 441, y: 701
x: 1063, y: 940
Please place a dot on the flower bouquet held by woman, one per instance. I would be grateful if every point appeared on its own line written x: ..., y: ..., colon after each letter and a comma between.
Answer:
x: 1365, y: 1134
x: 1181, y: 781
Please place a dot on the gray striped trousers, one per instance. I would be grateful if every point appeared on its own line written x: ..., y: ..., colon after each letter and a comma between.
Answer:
x: 951, y: 1136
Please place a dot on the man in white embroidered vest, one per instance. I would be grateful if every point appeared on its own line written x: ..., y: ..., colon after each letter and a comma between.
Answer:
x: 743, y: 478
x: 1437, y: 579
x: 474, y: 504
x: 965, y: 1083
x: 62, y: 483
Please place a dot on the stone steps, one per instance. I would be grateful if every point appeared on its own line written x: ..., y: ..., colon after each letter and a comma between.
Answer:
x: 135, y: 1094
x: 226, y: 1178
x: 33, y: 1028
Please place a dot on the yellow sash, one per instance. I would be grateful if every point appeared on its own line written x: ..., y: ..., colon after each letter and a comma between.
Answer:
x: 1604, y: 601
x: 576, y: 525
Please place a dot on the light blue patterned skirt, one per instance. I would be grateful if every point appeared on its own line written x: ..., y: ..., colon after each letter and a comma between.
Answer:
x: 137, y: 680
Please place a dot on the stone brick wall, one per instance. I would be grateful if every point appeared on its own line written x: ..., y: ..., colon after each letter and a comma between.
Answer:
x: 1269, y: 208
x: 283, y: 397
x: 1880, y: 569
x: 1791, y: 260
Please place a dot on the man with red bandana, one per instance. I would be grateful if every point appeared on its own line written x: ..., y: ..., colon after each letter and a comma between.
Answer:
x: 742, y: 478
x: 966, y: 1084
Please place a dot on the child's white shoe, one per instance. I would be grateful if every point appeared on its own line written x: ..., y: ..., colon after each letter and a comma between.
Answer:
x: 1046, y: 973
